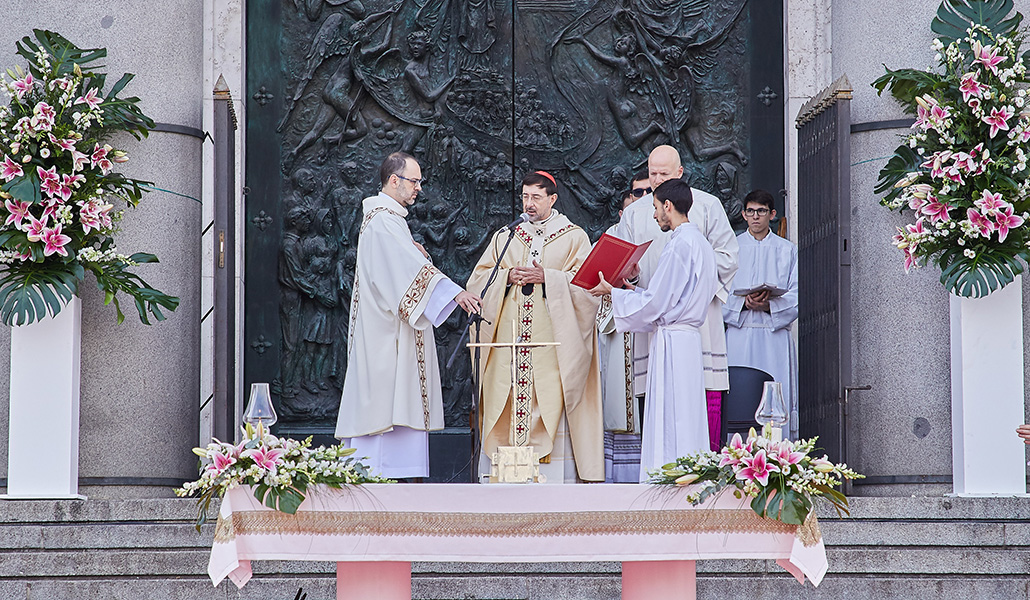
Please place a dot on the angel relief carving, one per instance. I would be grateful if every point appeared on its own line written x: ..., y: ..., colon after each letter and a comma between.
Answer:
x: 597, y: 85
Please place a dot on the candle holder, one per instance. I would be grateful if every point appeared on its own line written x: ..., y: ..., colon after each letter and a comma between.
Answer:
x: 259, y: 407
x: 772, y: 411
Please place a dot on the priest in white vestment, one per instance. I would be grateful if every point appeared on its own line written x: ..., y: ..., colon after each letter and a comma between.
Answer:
x: 758, y: 325
x: 554, y: 404
x: 637, y: 225
x: 620, y: 387
x: 391, y: 392
x: 672, y: 308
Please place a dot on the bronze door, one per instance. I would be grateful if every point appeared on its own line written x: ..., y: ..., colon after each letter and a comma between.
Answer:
x: 480, y: 91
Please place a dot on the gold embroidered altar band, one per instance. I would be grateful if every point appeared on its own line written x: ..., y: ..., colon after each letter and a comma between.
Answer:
x: 554, y: 404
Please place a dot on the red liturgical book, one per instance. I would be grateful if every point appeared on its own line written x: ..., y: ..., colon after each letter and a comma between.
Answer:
x: 611, y: 256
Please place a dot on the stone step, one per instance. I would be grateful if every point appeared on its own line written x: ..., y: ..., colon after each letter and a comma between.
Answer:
x: 889, y: 548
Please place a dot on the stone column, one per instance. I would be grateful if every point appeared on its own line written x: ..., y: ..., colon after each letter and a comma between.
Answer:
x: 140, y: 384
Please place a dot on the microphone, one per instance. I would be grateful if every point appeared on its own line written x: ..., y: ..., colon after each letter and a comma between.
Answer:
x: 522, y: 219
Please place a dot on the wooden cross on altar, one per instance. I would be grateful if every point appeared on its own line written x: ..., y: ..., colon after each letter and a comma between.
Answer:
x: 512, y: 464
x: 515, y: 344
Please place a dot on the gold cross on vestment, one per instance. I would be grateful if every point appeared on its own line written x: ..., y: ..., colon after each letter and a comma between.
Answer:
x: 516, y: 344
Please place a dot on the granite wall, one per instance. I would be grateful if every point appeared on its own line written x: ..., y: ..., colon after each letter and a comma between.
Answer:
x: 900, y: 428
x: 140, y: 384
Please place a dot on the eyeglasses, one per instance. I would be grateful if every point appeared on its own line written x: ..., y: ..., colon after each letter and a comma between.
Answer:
x: 418, y: 182
x: 761, y: 212
x: 639, y: 192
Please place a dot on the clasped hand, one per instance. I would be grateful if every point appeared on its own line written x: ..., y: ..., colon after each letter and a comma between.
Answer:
x: 524, y: 275
x: 757, y: 301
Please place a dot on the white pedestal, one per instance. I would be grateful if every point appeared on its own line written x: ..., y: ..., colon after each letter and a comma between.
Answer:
x: 43, y: 458
x: 987, y: 393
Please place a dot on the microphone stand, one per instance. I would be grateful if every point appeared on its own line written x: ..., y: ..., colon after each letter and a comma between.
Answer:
x: 476, y: 319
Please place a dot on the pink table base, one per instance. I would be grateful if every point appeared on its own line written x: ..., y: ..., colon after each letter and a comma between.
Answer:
x: 374, y: 532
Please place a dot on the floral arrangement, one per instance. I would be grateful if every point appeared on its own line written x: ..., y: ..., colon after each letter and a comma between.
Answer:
x: 59, y: 188
x: 781, y: 477
x: 280, y: 469
x: 962, y: 171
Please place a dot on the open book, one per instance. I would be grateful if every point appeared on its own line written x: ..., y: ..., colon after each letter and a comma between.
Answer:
x: 611, y: 256
x: 774, y: 291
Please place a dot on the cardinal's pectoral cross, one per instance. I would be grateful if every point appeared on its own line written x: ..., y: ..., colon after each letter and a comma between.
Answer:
x: 510, y: 463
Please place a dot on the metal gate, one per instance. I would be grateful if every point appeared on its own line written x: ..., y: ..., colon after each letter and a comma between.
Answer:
x: 824, y: 266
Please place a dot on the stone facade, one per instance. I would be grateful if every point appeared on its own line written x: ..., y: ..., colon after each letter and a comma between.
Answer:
x: 140, y: 385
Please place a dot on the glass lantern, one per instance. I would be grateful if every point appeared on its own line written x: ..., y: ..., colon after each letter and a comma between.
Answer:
x: 772, y: 411
x: 259, y: 407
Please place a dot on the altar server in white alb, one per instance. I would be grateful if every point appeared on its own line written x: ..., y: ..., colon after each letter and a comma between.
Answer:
x: 672, y: 308
x: 758, y: 325
x: 391, y: 393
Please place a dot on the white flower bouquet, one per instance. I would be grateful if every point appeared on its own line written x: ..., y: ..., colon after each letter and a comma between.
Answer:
x: 781, y: 477
x: 280, y: 469
x: 962, y: 172
x: 58, y: 186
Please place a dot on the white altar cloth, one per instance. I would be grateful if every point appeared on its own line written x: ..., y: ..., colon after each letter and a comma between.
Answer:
x: 505, y: 523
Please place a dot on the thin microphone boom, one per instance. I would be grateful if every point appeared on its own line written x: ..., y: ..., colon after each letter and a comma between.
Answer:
x: 522, y: 219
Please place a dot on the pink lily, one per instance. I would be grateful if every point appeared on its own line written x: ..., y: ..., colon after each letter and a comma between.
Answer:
x: 916, y: 203
x: 989, y: 203
x: 916, y: 228
x: 46, y: 111
x: 998, y: 119
x: 936, y: 163
x: 23, y: 86
x: 72, y: 180
x: 11, y: 169
x: 34, y: 232
x: 220, y: 462
x: 979, y: 221
x: 19, y: 210
x: 954, y: 174
x: 974, y: 103
x: 90, y: 98
x: 970, y: 87
x: 936, y: 210
x: 939, y: 113
x: 79, y: 159
x: 50, y: 182
x: 266, y: 458
x: 63, y: 144
x: 987, y: 56
x: 1006, y: 220
x: 786, y: 455
x: 55, y: 241
x: 99, y: 158
x: 910, y: 259
x: 757, y: 469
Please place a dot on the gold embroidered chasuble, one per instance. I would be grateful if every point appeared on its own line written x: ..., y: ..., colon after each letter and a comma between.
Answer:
x: 549, y: 381
x: 393, y: 376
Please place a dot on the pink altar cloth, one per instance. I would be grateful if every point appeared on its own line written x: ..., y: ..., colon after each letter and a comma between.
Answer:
x: 505, y: 523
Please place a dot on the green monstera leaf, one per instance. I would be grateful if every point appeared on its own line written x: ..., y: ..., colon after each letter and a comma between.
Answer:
x: 954, y: 17
x: 978, y: 276
x: 30, y: 294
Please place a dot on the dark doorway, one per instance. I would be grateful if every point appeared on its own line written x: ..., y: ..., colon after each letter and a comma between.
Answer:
x: 480, y: 91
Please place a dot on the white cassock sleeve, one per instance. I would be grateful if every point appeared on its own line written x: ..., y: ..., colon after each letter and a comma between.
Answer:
x: 719, y: 233
x: 784, y: 309
x: 638, y: 310
x: 733, y: 310
x: 441, y: 302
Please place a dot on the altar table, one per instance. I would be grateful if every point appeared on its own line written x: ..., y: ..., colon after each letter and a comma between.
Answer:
x: 373, y: 532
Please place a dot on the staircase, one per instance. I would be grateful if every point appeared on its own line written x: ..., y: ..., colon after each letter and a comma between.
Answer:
x: 927, y: 548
